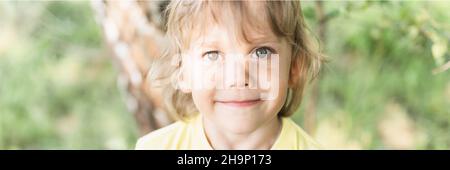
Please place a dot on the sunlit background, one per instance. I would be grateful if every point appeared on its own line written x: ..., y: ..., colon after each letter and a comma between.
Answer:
x: 385, y: 85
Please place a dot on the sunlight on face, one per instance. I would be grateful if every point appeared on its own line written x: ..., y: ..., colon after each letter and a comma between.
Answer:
x: 225, y: 88
x: 238, y: 81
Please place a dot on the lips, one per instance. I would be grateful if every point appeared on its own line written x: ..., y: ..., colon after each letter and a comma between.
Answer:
x: 240, y: 103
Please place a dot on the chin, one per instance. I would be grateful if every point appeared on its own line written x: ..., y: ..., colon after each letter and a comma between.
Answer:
x: 241, y: 128
x: 240, y: 124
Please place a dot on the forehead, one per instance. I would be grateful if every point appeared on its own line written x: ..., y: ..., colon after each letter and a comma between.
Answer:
x: 218, y: 34
x: 239, y: 21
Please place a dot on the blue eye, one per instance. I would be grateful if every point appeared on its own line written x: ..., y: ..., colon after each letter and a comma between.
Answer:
x: 212, y: 55
x: 263, y: 52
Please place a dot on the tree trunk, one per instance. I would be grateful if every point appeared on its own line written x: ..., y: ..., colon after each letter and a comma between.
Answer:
x: 311, y: 107
x: 134, y: 35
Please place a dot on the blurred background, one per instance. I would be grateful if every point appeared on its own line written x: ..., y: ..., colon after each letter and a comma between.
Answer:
x: 72, y: 74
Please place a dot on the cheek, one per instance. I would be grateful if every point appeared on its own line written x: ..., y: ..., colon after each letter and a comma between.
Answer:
x: 279, y: 87
x: 285, y: 65
x: 203, y: 100
x: 201, y: 75
x: 279, y: 78
x: 275, y: 103
x: 284, y: 71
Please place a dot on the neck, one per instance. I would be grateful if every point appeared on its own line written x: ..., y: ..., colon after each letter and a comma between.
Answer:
x: 262, y: 137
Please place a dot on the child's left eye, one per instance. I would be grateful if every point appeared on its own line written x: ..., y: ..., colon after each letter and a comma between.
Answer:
x: 262, y: 52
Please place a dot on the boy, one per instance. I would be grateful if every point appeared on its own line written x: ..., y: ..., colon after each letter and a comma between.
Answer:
x: 224, y: 52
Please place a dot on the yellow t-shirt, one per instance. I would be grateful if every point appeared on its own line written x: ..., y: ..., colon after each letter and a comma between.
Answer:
x: 189, y: 135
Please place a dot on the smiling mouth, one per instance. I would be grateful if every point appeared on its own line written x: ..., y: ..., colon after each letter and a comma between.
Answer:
x: 242, y: 103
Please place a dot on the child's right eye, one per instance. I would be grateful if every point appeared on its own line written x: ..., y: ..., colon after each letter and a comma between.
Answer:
x: 212, y: 55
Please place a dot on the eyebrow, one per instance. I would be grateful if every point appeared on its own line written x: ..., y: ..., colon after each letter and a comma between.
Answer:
x: 210, y: 44
x: 263, y: 39
x: 252, y: 41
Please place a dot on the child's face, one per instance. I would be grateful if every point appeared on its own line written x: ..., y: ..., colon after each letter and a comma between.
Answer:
x: 220, y: 68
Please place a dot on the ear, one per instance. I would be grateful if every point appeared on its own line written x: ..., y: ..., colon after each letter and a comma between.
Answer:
x: 183, y: 82
x: 295, y: 71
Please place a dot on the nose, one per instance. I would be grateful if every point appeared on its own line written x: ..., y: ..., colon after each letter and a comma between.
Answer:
x: 237, y: 72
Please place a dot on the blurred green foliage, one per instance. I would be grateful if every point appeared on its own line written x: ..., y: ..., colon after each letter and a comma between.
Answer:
x: 381, y: 55
x: 58, y: 87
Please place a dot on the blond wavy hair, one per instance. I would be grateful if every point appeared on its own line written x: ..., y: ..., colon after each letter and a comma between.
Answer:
x: 187, y: 19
